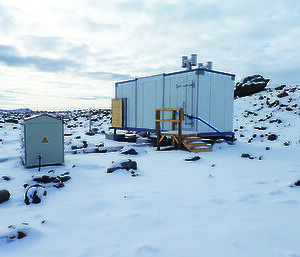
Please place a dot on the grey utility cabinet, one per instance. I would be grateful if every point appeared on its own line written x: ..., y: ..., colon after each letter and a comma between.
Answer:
x: 43, y: 137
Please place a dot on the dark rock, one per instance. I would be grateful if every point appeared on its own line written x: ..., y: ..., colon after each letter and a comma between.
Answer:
x: 15, y: 121
x: 297, y: 183
x: 25, y: 185
x: 129, y: 165
x: 260, y: 158
x: 272, y: 137
x: 85, y: 144
x: 250, y: 85
x: 241, y: 127
x: 267, y: 148
x: 282, y: 94
x: 90, y: 133
x: 78, y: 137
x: 283, y: 105
x: 273, y: 104
x: 64, y: 178
x: 261, y: 98
x: 4, y: 196
x: 6, y: 178
x: 245, y: 155
x: 276, y: 120
x: 68, y: 134
x: 46, y: 179
x: 280, y: 87
x: 289, y: 109
x: 130, y: 152
x: 250, y: 140
x: 59, y: 185
x: 287, y: 143
x: 261, y: 128
x: 195, y: 158
x: 21, y: 234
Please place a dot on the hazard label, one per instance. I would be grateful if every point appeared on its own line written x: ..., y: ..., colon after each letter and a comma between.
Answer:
x: 45, y: 140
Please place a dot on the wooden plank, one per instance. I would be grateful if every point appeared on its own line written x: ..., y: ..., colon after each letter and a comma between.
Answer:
x: 117, y: 113
x: 157, y: 116
x: 167, y: 120
x: 168, y: 109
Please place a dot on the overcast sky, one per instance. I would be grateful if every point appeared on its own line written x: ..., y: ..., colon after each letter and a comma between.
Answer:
x: 58, y: 54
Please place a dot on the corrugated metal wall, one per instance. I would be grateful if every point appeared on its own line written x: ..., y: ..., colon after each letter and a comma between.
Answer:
x: 205, y: 94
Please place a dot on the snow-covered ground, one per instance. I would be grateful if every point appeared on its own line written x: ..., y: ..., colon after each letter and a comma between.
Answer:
x: 220, y: 205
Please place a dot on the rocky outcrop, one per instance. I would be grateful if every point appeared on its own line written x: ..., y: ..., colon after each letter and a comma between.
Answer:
x: 250, y: 85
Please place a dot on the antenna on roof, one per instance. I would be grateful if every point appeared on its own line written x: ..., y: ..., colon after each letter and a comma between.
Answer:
x: 188, y: 63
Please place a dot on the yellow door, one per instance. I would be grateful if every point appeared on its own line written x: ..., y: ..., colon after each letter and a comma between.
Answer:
x: 117, y: 113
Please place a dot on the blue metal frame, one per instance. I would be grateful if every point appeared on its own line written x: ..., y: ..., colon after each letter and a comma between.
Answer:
x: 211, y: 134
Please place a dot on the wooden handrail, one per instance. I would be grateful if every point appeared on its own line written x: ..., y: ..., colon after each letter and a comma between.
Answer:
x: 173, y: 120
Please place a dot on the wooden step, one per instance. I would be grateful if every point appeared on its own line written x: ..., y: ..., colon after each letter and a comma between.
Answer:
x: 192, y: 139
x: 195, y: 144
x: 202, y: 149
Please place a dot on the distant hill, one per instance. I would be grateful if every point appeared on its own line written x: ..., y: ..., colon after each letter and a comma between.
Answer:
x: 16, y: 110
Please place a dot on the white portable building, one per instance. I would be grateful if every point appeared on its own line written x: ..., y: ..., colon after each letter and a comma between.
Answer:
x: 203, y: 93
x: 43, y: 139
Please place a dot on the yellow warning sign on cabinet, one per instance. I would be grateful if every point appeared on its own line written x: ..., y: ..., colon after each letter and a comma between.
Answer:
x: 45, y: 140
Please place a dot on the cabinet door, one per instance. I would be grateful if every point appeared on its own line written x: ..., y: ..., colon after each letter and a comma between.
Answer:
x: 117, y: 113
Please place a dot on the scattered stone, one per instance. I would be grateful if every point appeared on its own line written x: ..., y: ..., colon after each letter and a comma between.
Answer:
x: 6, y: 178
x: 280, y: 87
x: 130, y: 152
x: 195, y: 158
x: 90, y: 133
x: 59, y: 185
x: 272, y: 137
x: 276, y: 120
x: 245, y: 155
x: 129, y: 165
x: 297, y: 183
x: 260, y: 128
x: 273, y: 104
x: 46, y: 179
x: 282, y: 94
x: 64, y: 178
x: 21, y: 234
x: 4, y: 196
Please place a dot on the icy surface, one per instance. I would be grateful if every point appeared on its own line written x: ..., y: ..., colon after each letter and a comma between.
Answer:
x: 220, y: 205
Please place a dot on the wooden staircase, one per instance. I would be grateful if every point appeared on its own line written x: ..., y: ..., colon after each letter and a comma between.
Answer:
x: 190, y: 140
x: 195, y: 144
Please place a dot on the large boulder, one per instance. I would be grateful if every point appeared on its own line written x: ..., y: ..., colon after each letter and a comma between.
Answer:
x: 250, y: 85
x: 4, y: 196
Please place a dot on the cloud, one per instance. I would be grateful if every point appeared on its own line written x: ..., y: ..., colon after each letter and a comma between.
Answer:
x: 6, y: 19
x: 106, y: 75
x: 10, y: 56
